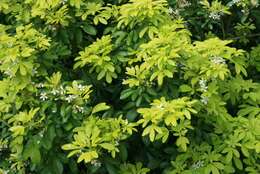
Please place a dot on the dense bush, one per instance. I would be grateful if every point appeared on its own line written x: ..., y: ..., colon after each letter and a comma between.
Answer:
x: 129, y: 87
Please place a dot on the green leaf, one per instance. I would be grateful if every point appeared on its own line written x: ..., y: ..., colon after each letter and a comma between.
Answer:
x: 102, y: 20
x: 90, y: 29
x: 23, y: 70
x: 182, y: 142
x: 101, y: 74
x: 100, y: 107
x: 214, y: 170
x: 32, y: 151
x: 88, y: 156
x: 107, y: 146
x: 185, y: 88
x: 56, y: 166
x: 108, y: 78
x: 257, y: 147
x: 69, y: 147
x: 160, y: 79
x: 17, y: 130
x: 126, y: 93
x: 238, y: 163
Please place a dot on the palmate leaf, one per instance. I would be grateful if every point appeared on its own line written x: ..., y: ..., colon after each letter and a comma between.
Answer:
x: 87, y: 156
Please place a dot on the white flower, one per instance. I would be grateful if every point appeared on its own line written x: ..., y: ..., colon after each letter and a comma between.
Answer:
x: 43, y: 96
x: 70, y: 98
x: 170, y: 10
x: 34, y: 71
x: 203, y: 85
x: 204, y: 100
x: 96, y: 163
x: 9, y: 73
x: 62, y: 90
x: 54, y: 92
x: 64, y: 1
x: 184, y: 3
x: 40, y: 85
x: 235, y: 1
x: 80, y: 87
x: 5, y: 171
x: 78, y: 109
x: 214, y: 16
x: 198, y: 164
x: 218, y: 60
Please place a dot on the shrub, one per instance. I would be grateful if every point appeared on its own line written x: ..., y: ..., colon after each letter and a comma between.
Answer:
x: 129, y: 87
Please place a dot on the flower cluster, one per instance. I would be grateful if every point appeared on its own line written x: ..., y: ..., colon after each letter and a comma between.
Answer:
x: 78, y: 109
x: 215, y: 15
x: 217, y: 60
x: 96, y: 163
x: 70, y: 98
x: 183, y: 3
x: 204, y: 100
x: 173, y: 12
x: 70, y: 94
x: 9, y: 73
x: 233, y: 2
x: 198, y: 164
x: 203, y: 85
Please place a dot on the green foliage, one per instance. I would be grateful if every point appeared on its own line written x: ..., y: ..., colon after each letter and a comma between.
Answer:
x: 164, y: 117
x: 129, y: 87
x: 96, y: 135
x: 97, y: 55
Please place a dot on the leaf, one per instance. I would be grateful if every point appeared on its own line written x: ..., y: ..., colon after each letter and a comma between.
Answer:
x: 152, y: 135
x: 111, y: 169
x: 101, y: 74
x: 23, y: 70
x: 56, y: 166
x: 72, y: 153
x: 125, y: 94
x: 185, y: 88
x: 245, y: 151
x: 142, y: 32
x: 257, y: 147
x: 182, y: 142
x: 48, y: 138
x: 108, y: 78
x: 90, y: 29
x: 219, y: 165
x: 107, y: 146
x: 102, y: 20
x: 229, y: 156
x: 69, y: 147
x: 214, y: 170
x: 171, y: 119
x: 17, y: 130
x: 100, y: 107
x: 238, y: 163
x: 88, y: 156
x: 123, y: 152
x: 32, y: 151
x: 160, y: 79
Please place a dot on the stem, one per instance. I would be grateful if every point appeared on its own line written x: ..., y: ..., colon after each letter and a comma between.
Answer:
x: 223, y: 29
